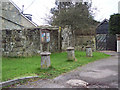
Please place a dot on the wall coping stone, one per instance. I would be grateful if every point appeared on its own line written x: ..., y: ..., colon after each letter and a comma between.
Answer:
x: 88, y: 47
x: 70, y: 48
x: 45, y: 53
x: 10, y: 82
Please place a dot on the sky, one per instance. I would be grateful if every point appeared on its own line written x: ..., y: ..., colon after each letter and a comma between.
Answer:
x: 40, y: 9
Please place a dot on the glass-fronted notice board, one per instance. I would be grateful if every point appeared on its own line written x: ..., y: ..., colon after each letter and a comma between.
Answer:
x: 45, y: 37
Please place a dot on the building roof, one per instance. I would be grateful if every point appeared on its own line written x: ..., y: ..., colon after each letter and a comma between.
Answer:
x: 22, y: 13
x: 49, y: 27
x: 102, y: 27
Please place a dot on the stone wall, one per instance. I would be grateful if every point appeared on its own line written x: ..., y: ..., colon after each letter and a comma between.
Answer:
x: 77, y: 40
x: 20, y: 42
x: 81, y: 42
x: 26, y: 42
x: 53, y: 45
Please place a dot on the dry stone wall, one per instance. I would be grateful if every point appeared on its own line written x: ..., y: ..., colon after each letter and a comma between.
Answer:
x: 25, y: 42
x: 85, y: 41
x: 80, y: 42
x: 20, y: 42
x: 53, y: 45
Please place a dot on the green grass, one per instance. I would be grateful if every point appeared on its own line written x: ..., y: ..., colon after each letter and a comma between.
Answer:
x: 13, y: 68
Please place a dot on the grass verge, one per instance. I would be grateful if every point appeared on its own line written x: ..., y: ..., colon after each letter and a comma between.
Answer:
x: 20, y: 67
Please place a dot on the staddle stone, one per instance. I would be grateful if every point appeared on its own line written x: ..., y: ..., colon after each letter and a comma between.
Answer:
x: 45, y: 60
x: 70, y: 53
x: 89, y: 52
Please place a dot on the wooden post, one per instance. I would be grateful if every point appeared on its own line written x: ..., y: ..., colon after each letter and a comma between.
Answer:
x: 59, y: 39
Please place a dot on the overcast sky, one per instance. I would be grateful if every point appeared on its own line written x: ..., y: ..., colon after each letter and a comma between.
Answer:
x: 40, y: 9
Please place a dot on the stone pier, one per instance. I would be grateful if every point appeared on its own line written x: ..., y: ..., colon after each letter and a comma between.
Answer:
x: 89, y: 52
x: 70, y: 53
x: 45, y: 60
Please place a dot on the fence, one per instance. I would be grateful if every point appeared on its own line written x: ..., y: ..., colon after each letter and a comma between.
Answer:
x: 26, y: 42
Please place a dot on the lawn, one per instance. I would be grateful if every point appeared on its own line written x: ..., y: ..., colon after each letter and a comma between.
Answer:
x: 13, y: 68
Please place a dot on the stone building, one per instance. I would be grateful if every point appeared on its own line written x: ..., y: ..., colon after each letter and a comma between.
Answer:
x: 13, y: 18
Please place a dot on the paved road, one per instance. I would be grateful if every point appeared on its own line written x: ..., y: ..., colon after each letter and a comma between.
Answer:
x: 99, y: 74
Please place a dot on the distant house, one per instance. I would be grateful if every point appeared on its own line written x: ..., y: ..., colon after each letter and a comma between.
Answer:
x: 13, y: 18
